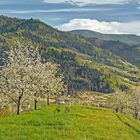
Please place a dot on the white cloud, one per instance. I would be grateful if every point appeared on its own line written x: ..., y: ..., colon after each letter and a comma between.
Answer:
x: 89, y: 1
x: 138, y: 6
x: 53, y: 10
x: 80, y: 2
x: 102, y: 26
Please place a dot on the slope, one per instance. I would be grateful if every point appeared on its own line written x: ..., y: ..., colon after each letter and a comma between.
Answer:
x: 124, y: 46
x: 54, y: 123
x: 131, y: 53
x: 85, y: 66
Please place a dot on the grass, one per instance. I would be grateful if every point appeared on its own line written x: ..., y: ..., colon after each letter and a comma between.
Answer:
x: 80, y: 123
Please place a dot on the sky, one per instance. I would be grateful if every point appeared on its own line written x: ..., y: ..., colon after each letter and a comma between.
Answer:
x: 104, y: 16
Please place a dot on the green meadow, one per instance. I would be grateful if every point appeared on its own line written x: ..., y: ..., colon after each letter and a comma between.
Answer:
x: 58, y: 122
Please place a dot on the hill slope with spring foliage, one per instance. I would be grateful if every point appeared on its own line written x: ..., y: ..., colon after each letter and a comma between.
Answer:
x: 85, y: 66
x: 124, y: 46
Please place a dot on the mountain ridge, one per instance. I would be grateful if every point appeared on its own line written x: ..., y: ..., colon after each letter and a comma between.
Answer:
x: 130, y: 39
x: 129, y: 52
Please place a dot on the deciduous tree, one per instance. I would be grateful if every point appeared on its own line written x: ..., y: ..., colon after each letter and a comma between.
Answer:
x: 119, y: 101
x: 134, y: 101
x: 14, y: 79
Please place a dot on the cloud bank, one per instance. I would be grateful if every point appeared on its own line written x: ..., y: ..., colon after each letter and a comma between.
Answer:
x: 89, y: 1
x: 78, y: 2
x: 54, y: 10
x: 102, y: 26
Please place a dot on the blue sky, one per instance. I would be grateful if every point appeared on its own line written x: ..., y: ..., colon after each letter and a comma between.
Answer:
x: 105, y: 16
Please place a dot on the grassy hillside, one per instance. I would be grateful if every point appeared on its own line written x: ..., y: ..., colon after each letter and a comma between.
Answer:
x: 80, y: 123
x: 85, y: 66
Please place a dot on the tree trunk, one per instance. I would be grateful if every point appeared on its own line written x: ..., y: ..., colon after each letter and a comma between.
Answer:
x: 122, y: 109
x: 19, y: 105
x: 48, y: 100
x: 35, y: 104
x: 117, y: 109
x: 136, y: 115
x: 18, y: 109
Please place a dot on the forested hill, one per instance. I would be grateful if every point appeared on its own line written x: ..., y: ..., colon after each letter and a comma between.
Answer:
x: 128, y: 39
x: 85, y: 66
x: 125, y: 46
